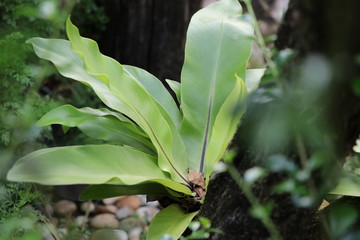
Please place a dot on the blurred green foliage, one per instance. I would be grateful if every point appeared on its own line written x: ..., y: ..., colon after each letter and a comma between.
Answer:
x: 290, y: 135
x: 18, y: 218
x: 91, y: 17
x: 20, y: 103
x: 29, y: 88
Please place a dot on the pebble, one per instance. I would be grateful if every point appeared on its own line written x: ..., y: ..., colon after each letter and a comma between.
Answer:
x: 87, y: 207
x: 153, y: 204
x: 105, y: 209
x: 131, y: 202
x: 65, y: 207
x: 147, y: 213
x: 106, y: 234
x: 80, y: 221
x: 131, y: 214
x: 128, y: 224
x: 113, y: 200
x: 123, y: 212
x: 144, y: 201
x: 104, y: 220
x: 135, y: 233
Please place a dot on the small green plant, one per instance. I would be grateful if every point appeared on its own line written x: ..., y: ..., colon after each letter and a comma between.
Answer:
x: 153, y: 147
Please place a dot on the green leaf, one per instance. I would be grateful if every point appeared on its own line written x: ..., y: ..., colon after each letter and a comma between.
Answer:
x: 157, y: 90
x: 199, y: 235
x: 205, y: 222
x: 71, y: 66
x: 138, y: 104
x: 110, y: 190
x: 75, y: 116
x: 172, y: 188
x: 173, y: 221
x: 225, y: 125
x: 174, y: 185
x: 347, y: 186
x: 113, y: 131
x: 164, y: 100
x: 89, y: 164
x: 100, y: 124
x: 253, y: 78
x: 217, y: 48
x: 341, y: 217
x: 175, y: 86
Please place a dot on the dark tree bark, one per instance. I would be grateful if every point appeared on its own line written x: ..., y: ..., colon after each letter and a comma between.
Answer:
x: 328, y: 28
x: 148, y: 33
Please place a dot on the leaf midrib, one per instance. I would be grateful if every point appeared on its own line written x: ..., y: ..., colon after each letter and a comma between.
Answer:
x: 211, y: 100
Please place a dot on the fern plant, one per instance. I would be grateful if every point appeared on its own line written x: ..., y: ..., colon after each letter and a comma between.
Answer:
x: 153, y: 146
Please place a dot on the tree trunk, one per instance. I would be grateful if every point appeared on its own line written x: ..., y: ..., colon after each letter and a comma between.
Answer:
x: 149, y: 34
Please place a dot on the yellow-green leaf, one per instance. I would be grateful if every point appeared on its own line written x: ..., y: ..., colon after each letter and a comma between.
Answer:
x: 173, y: 220
x: 88, y: 164
x: 102, y: 124
x: 217, y: 48
x: 225, y: 125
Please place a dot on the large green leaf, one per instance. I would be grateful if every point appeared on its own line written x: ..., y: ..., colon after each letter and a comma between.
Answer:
x: 347, y: 186
x: 225, y: 125
x: 169, y: 183
x: 100, y: 124
x: 157, y: 90
x: 173, y: 221
x: 70, y: 65
x: 217, y: 48
x: 75, y: 116
x: 89, y: 164
x: 111, y: 190
x: 164, y: 100
x: 140, y: 105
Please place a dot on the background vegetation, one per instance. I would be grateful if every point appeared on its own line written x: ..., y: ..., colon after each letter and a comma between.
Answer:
x: 29, y: 88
